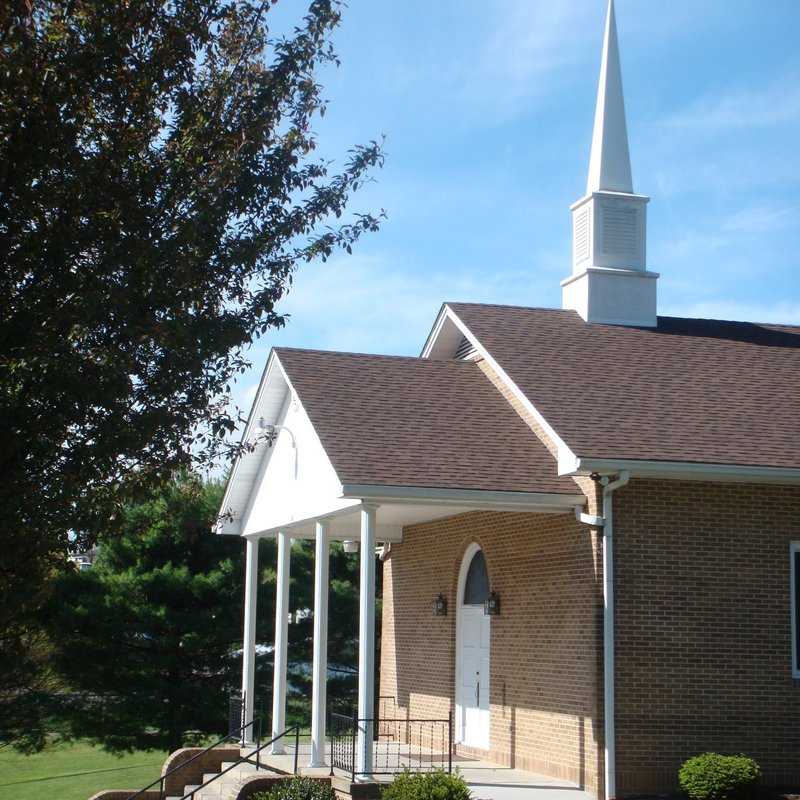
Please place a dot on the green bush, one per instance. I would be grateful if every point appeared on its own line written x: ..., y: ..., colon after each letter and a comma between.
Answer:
x: 437, y: 785
x: 298, y: 788
x: 711, y: 776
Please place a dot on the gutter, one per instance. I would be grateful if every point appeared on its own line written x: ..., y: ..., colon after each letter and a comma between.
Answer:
x: 570, y: 465
x: 606, y: 522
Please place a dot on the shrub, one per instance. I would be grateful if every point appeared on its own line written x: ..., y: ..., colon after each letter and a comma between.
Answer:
x: 711, y: 776
x: 437, y: 785
x: 298, y: 788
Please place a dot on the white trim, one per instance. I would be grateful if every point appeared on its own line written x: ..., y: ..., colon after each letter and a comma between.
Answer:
x: 234, y: 527
x: 613, y: 271
x: 608, y: 193
x: 339, y: 512
x: 794, y: 547
x: 434, y: 334
x: 681, y: 470
x: 478, y: 497
x: 448, y: 313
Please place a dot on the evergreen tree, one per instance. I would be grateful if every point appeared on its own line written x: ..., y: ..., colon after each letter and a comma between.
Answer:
x: 147, y: 643
x: 145, y: 639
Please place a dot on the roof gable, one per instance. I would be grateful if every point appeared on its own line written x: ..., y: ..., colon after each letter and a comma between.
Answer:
x: 688, y: 390
x: 397, y: 421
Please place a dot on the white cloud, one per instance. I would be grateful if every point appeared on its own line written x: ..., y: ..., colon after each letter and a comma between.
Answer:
x: 761, y: 219
x: 746, y: 107
x: 529, y: 44
x: 374, y: 304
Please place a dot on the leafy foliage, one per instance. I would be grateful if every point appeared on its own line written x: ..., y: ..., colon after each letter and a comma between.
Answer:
x: 144, y: 639
x: 438, y: 785
x: 711, y: 776
x: 299, y: 788
x: 158, y: 187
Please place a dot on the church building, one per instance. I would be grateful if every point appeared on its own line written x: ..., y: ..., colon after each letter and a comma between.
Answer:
x: 588, y: 518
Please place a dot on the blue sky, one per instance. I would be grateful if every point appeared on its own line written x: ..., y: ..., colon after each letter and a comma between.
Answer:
x: 487, y: 108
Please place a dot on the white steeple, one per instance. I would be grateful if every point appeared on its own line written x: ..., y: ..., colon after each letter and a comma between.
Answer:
x: 610, y: 282
x: 610, y: 164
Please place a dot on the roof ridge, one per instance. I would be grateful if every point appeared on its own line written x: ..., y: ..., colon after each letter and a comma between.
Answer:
x: 513, y: 306
x: 383, y: 356
x: 733, y: 321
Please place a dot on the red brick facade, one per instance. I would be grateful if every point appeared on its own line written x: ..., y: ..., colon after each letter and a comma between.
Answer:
x: 544, y: 645
x: 702, y: 625
x: 703, y: 628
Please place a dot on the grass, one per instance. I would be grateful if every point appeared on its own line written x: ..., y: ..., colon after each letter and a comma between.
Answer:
x: 74, y: 772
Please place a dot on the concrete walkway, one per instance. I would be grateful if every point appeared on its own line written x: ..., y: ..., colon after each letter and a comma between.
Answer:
x: 488, y: 781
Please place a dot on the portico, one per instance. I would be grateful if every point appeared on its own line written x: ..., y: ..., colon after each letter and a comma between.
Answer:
x: 307, y: 474
x: 373, y: 524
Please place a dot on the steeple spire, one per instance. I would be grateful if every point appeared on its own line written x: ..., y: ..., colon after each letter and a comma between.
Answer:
x: 610, y: 282
x: 610, y: 163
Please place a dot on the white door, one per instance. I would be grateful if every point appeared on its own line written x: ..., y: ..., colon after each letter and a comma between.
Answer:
x: 475, y: 640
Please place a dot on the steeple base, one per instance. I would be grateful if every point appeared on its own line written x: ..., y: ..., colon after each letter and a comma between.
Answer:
x: 612, y: 296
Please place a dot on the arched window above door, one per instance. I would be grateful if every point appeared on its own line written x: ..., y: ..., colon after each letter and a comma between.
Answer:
x: 476, y: 586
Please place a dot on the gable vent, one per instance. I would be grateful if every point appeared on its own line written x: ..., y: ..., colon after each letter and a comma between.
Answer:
x: 465, y: 350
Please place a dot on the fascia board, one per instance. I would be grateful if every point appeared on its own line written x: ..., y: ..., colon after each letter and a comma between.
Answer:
x: 682, y: 470
x: 479, y: 498
x: 251, y: 416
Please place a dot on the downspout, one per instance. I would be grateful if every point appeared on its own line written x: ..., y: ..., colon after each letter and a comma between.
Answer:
x: 606, y: 522
x: 608, y: 632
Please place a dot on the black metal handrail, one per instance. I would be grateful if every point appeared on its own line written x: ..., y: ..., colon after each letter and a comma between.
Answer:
x: 257, y: 763
x: 421, y: 745
x: 342, y: 731
x: 238, y: 735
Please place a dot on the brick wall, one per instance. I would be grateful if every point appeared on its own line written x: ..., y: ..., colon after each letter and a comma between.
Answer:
x: 545, y: 643
x: 703, y: 629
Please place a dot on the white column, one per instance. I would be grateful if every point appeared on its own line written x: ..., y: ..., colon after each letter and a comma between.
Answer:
x: 366, y: 642
x: 320, y: 668
x: 249, y: 636
x: 281, y: 641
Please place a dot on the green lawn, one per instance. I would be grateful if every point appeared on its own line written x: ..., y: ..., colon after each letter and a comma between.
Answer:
x: 73, y: 772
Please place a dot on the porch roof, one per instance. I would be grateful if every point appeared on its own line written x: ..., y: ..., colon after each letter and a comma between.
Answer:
x: 396, y: 421
x: 423, y: 439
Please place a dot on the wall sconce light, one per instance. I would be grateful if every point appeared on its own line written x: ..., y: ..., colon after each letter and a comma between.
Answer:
x: 491, y: 606
x: 350, y: 546
x: 440, y: 606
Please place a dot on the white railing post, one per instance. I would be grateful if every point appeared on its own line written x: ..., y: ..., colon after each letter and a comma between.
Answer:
x: 249, y: 636
x: 366, y: 642
x: 320, y: 666
x: 281, y: 641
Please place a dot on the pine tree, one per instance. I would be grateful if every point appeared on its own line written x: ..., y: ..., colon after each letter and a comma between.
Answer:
x: 146, y: 640
x: 147, y: 643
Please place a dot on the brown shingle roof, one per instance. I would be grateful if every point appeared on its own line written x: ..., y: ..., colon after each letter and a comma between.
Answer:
x: 693, y: 390
x: 412, y: 422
